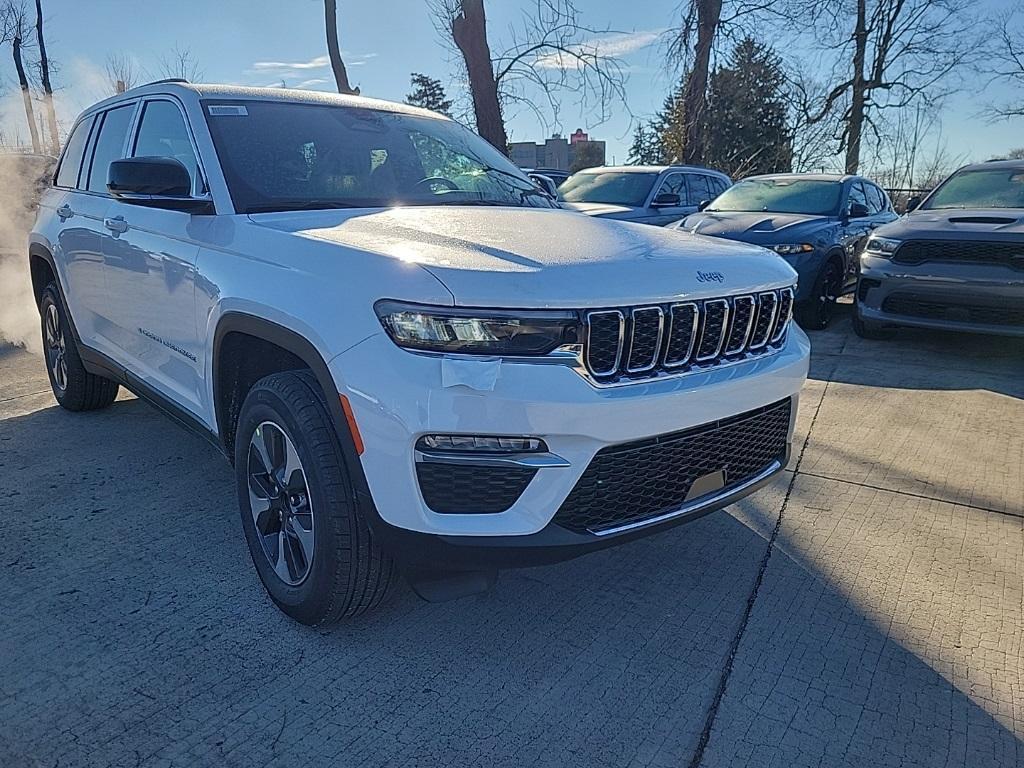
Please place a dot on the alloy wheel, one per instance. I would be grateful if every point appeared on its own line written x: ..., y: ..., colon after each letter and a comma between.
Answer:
x: 56, y: 349
x: 279, y: 500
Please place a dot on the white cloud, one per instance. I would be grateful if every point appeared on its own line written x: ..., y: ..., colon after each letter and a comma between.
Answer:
x: 302, y: 68
x: 616, y: 45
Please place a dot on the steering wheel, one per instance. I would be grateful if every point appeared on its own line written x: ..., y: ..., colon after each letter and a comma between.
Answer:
x: 438, y: 181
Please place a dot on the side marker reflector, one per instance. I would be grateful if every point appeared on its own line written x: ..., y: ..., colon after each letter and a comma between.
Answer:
x: 353, y: 428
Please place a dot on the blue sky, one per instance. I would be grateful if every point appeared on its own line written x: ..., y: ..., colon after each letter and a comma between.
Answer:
x: 262, y: 42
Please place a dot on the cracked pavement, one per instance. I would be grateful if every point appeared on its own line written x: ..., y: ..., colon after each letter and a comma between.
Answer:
x: 882, y: 627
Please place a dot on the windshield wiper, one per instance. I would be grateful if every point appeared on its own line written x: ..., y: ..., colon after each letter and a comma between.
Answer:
x: 301, y: 205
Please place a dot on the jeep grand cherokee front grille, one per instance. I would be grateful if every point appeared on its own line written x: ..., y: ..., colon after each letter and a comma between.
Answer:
x: 644, y: 342
x: 636, y: 482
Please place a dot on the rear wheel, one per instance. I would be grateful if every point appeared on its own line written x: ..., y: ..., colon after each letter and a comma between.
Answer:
x: 74, y: 387
x: 307, y: 537
x: 816, y: 313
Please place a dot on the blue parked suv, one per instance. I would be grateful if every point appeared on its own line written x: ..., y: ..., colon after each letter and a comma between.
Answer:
x: 817, y: 222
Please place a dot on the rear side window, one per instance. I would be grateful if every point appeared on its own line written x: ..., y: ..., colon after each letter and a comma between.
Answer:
x: 882, y: 199
x: 109, y: 145
x: 718, y: 186
x: 700, y: 189
x: 163, y: 133
x: 71, y: 163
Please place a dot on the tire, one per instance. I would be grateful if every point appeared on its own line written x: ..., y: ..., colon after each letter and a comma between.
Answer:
x: 73, y: 387
x: 868, y: 330
x: 310, y: 543
x: 816, y: 313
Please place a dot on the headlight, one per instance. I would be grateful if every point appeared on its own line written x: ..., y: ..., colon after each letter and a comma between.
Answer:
x: 477, y: 331
x: 885, y: 246
x: 788, y: 249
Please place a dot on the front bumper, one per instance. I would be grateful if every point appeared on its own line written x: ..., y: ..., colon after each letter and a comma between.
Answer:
x: 977, y: 298
x: 399, y: 396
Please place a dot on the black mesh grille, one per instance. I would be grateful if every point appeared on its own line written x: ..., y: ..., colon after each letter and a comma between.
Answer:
x: 603, y: 341
x: 920, y: 251
x: 913, y: 305
x: 716, y: 315
x: 645, y: 339
x: 633, y: 482
x: 621, y: 344
x: 455, y: 489
x: 739, y: 328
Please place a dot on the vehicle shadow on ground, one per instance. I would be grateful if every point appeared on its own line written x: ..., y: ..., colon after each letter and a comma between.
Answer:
x: 918, y: 359
x: 138, y: 632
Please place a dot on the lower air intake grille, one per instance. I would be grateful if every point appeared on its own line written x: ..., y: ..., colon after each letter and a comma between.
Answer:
x: 633, y: 482
x: 460, y: 490
x: 912, y: 305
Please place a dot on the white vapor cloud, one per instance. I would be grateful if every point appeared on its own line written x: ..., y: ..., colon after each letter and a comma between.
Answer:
x: 304, y: 68
x: 617, y: 44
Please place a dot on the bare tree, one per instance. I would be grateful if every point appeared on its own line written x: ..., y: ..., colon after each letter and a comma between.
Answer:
x: 181, y: 64
x: 334, y: 49
x: 122, y: 72
x: 888, y: 54
x: 44, y: 77
x: 14, y: 29
x: 1008, y: 59
x: 813, y: 142
x: 551, y: 53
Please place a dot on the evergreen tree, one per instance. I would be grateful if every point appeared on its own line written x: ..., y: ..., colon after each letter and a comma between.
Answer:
x: 646, y: 148
x: 745, y: 122
x: 428, y: 93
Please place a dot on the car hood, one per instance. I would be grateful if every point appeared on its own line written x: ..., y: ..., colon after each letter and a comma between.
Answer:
x: 608, y: 210
x: 957, y: 224
x: 530, y: 257
x: 755, y: 227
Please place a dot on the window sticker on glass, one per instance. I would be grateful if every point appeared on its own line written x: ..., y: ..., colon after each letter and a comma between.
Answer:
x: 219, y: 110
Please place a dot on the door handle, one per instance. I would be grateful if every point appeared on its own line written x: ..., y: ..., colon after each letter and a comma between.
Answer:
x: 117, y: 225
x: 65, y: 212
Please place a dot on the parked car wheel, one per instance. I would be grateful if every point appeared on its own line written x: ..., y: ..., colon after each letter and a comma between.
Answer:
x: 308, y: 540
x: 868, y: 330
x: 816, y: 313
x: 74, y: 387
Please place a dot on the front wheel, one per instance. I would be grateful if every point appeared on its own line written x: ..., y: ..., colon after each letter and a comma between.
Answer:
x: 868, y: 330
x: 307, y: 537
x: 816, y: 313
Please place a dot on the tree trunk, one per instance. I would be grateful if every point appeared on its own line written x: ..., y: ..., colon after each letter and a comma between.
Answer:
x: 469, y: 29
x: 709, y: 15
x: 44, y: 75
x: 25, y: 94
x: 858, y: 92
x: 334, y: 51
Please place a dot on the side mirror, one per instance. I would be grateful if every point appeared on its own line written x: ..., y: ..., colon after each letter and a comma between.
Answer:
x: 913, y: 203
x: 666, y: 200
x: 546, y: 183
x: 703, y: 204
x: 155, y: 182
x: 859, y: 211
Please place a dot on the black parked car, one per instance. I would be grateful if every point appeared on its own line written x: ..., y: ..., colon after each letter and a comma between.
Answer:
x: 955, y: 262
x: 817, y: 222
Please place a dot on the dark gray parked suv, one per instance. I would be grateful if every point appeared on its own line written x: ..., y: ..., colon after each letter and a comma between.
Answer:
x: 955, y: 262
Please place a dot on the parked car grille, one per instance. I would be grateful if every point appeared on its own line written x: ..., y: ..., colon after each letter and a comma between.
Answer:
x: 975, y: 251
x: 633, y: 482
x: 452, y: 489
x: 914, y: 305
x: 643, y: 342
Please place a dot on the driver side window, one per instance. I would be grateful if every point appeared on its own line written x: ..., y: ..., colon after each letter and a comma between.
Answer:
x: 857, y: 196
x: 163, y: 133
x: 674, y: 184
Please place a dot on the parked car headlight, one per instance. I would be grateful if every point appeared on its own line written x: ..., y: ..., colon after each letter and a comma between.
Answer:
x: 885, y: 246
x: 788, y: 249
x: 477, y: 331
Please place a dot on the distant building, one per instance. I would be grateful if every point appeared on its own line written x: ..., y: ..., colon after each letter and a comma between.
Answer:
x: 558, y: 152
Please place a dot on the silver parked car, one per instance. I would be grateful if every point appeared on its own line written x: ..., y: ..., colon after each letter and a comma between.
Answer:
x: 647, y: 194
x: 955, y: 262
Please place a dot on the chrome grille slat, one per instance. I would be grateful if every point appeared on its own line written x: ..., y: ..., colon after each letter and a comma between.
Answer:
x: 645, y: 342
x: 709, y: 347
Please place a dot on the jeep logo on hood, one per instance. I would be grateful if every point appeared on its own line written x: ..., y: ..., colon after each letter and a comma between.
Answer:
x: 710, y: 277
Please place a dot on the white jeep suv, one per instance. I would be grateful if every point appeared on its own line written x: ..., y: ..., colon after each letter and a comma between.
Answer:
x: 415, y: 359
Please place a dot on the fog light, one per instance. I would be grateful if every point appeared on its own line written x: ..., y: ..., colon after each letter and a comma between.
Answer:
x: 480, y: 444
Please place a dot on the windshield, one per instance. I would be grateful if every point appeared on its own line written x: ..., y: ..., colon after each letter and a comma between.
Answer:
x: 281, y: 156
x: 816, y: 197
x: 620, y: 188
x: 988, y: 188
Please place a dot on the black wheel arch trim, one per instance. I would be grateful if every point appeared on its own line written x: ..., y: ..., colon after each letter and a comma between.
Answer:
x: 295, y: 343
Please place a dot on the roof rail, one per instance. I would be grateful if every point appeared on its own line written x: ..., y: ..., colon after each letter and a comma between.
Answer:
x: 165, y: 80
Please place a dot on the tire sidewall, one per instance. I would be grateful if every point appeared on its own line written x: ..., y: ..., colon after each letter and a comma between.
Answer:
x: 304, y: 601
x: 70, y: 351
